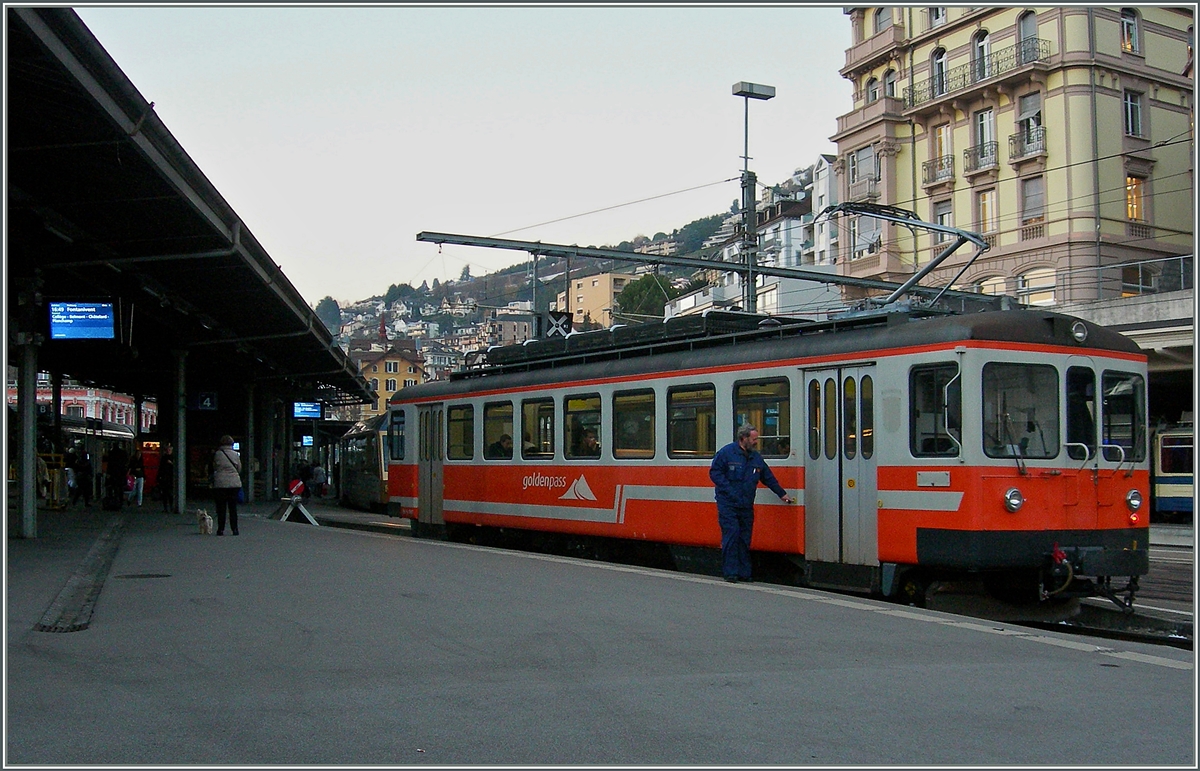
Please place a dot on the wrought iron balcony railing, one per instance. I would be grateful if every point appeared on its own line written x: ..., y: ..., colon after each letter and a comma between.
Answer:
x: 980, y: 157
x: 1027, y: 143
x: 938, y: 170
x: 997, y: 63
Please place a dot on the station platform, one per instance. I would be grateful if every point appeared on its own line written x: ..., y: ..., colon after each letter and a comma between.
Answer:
x: 294, y: 645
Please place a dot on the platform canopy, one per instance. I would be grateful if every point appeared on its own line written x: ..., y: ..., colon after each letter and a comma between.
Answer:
x: 104, y: 205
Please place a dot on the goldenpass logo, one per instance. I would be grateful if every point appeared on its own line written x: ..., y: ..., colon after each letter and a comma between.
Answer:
x: 542, y: 480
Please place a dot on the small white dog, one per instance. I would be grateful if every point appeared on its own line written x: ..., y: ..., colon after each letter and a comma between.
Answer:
x: 205, y: 521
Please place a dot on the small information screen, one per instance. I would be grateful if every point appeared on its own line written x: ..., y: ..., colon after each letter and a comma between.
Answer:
x: 81, y: 321
x: 307, y: 410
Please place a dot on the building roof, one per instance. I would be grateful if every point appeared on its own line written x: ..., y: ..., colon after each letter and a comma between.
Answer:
x: 104, y: 204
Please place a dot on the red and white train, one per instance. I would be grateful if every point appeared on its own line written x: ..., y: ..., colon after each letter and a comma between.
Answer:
x: 1008, y: 445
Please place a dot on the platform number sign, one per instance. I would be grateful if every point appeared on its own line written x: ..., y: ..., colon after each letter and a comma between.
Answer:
x: 206, y: 400
x: 560, y: 324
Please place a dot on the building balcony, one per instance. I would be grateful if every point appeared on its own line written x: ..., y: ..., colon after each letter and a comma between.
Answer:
x: 872, y: 112
x: 1027, y: 144
x: 937, y: 171
x: 982, y: 157
x: 996, y: 68
x: 873, y: 50
x: 865, y: 189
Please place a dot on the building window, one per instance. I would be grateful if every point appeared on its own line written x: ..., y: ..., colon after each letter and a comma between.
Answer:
x: 1135, y: 201
x: 996, y: 285
x: 872, y: 90
x: 1129, y: 31
x: 941, y: 140
x: 942, y: 215
x: 1029, y: 117
x: 374, y: 384
x: 1133, y: 114
x: 883, y: 19
x: 391, y: 384
x: 938, y: 68
x: 1033, y: 200
x: 937, y: 17
x: 862, y: 165
x: 981, y: 49
x: 889, y: 83
x: 1036, y: 287
x: 985, y: 211
x: 392, y: 366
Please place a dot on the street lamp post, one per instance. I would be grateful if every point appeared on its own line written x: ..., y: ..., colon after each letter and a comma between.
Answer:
x: 749, y: 91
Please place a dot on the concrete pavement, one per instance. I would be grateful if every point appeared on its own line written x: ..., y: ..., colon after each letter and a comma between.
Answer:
x: 291, y: 644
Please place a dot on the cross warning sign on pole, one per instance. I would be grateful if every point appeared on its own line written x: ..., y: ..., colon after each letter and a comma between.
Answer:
x: 560, y: 324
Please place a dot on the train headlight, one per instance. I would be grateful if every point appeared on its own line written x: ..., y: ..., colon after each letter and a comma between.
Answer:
x: 1079, y: 331
x: 1013, y: 500
x: 1133, y: 499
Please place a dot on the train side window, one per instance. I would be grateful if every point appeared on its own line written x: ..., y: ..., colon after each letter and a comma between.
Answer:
x: 766, y: 405
x: 692, y: 422
x: 537, y: 429
x: 633, y: 424
x: 460, y: 427
x: 1175, y: 455
x: 935, y: 411
x: 1020, y: 411
x: 1081, y: 413
x: 498, y: 431
x: 396, y: 435
x: 814, y: 419
x: 1123, y: 417
x: 849, y: 418
x: 581, y: 426
x: 831, y: 435
x: 867, y: 417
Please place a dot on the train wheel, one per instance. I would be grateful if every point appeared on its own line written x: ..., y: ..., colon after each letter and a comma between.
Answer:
x: 912, y: 589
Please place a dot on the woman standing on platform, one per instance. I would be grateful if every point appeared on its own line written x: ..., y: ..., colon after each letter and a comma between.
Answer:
x: 227, y: 480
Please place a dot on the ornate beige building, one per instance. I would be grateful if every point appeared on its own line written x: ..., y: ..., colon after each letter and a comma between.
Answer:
x: 1063, y: 135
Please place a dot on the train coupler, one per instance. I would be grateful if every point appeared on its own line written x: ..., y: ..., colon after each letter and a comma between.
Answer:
x: 1123, y: 598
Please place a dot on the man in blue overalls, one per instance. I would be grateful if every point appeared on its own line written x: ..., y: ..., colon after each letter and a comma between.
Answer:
x: 736, y: 471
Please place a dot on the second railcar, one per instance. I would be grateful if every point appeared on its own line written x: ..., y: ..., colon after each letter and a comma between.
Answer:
x: 1009, y: 445
x: 1173, y: 474
x: 363, y: 471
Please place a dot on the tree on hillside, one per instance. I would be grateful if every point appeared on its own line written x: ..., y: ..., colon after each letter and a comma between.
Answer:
x: 693, y: 235
x: 648, y: 296
x: 330, y: 314
x: 466, y: 273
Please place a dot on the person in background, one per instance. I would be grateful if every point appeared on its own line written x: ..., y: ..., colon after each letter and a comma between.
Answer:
x: 84, y: 479
x: 227, y: 480
x: 737, y: 469
x: 589, y: 445
x: 115, y: 471
x: 319, y: 479
x: 166, y: 478
x: 137, y: 467
x: 501, y: 448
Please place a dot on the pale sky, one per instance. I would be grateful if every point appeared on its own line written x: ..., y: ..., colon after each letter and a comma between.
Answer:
x: 338, y: 133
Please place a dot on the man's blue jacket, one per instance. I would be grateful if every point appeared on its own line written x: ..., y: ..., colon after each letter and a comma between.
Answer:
x: 736, y: 473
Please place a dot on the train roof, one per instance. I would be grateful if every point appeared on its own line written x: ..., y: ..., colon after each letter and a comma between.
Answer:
x: 722, y: 339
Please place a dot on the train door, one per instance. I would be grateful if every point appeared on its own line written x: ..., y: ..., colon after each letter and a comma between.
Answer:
x: 840, y: 498
x: 1081, y: 491
x: 430, y: 454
